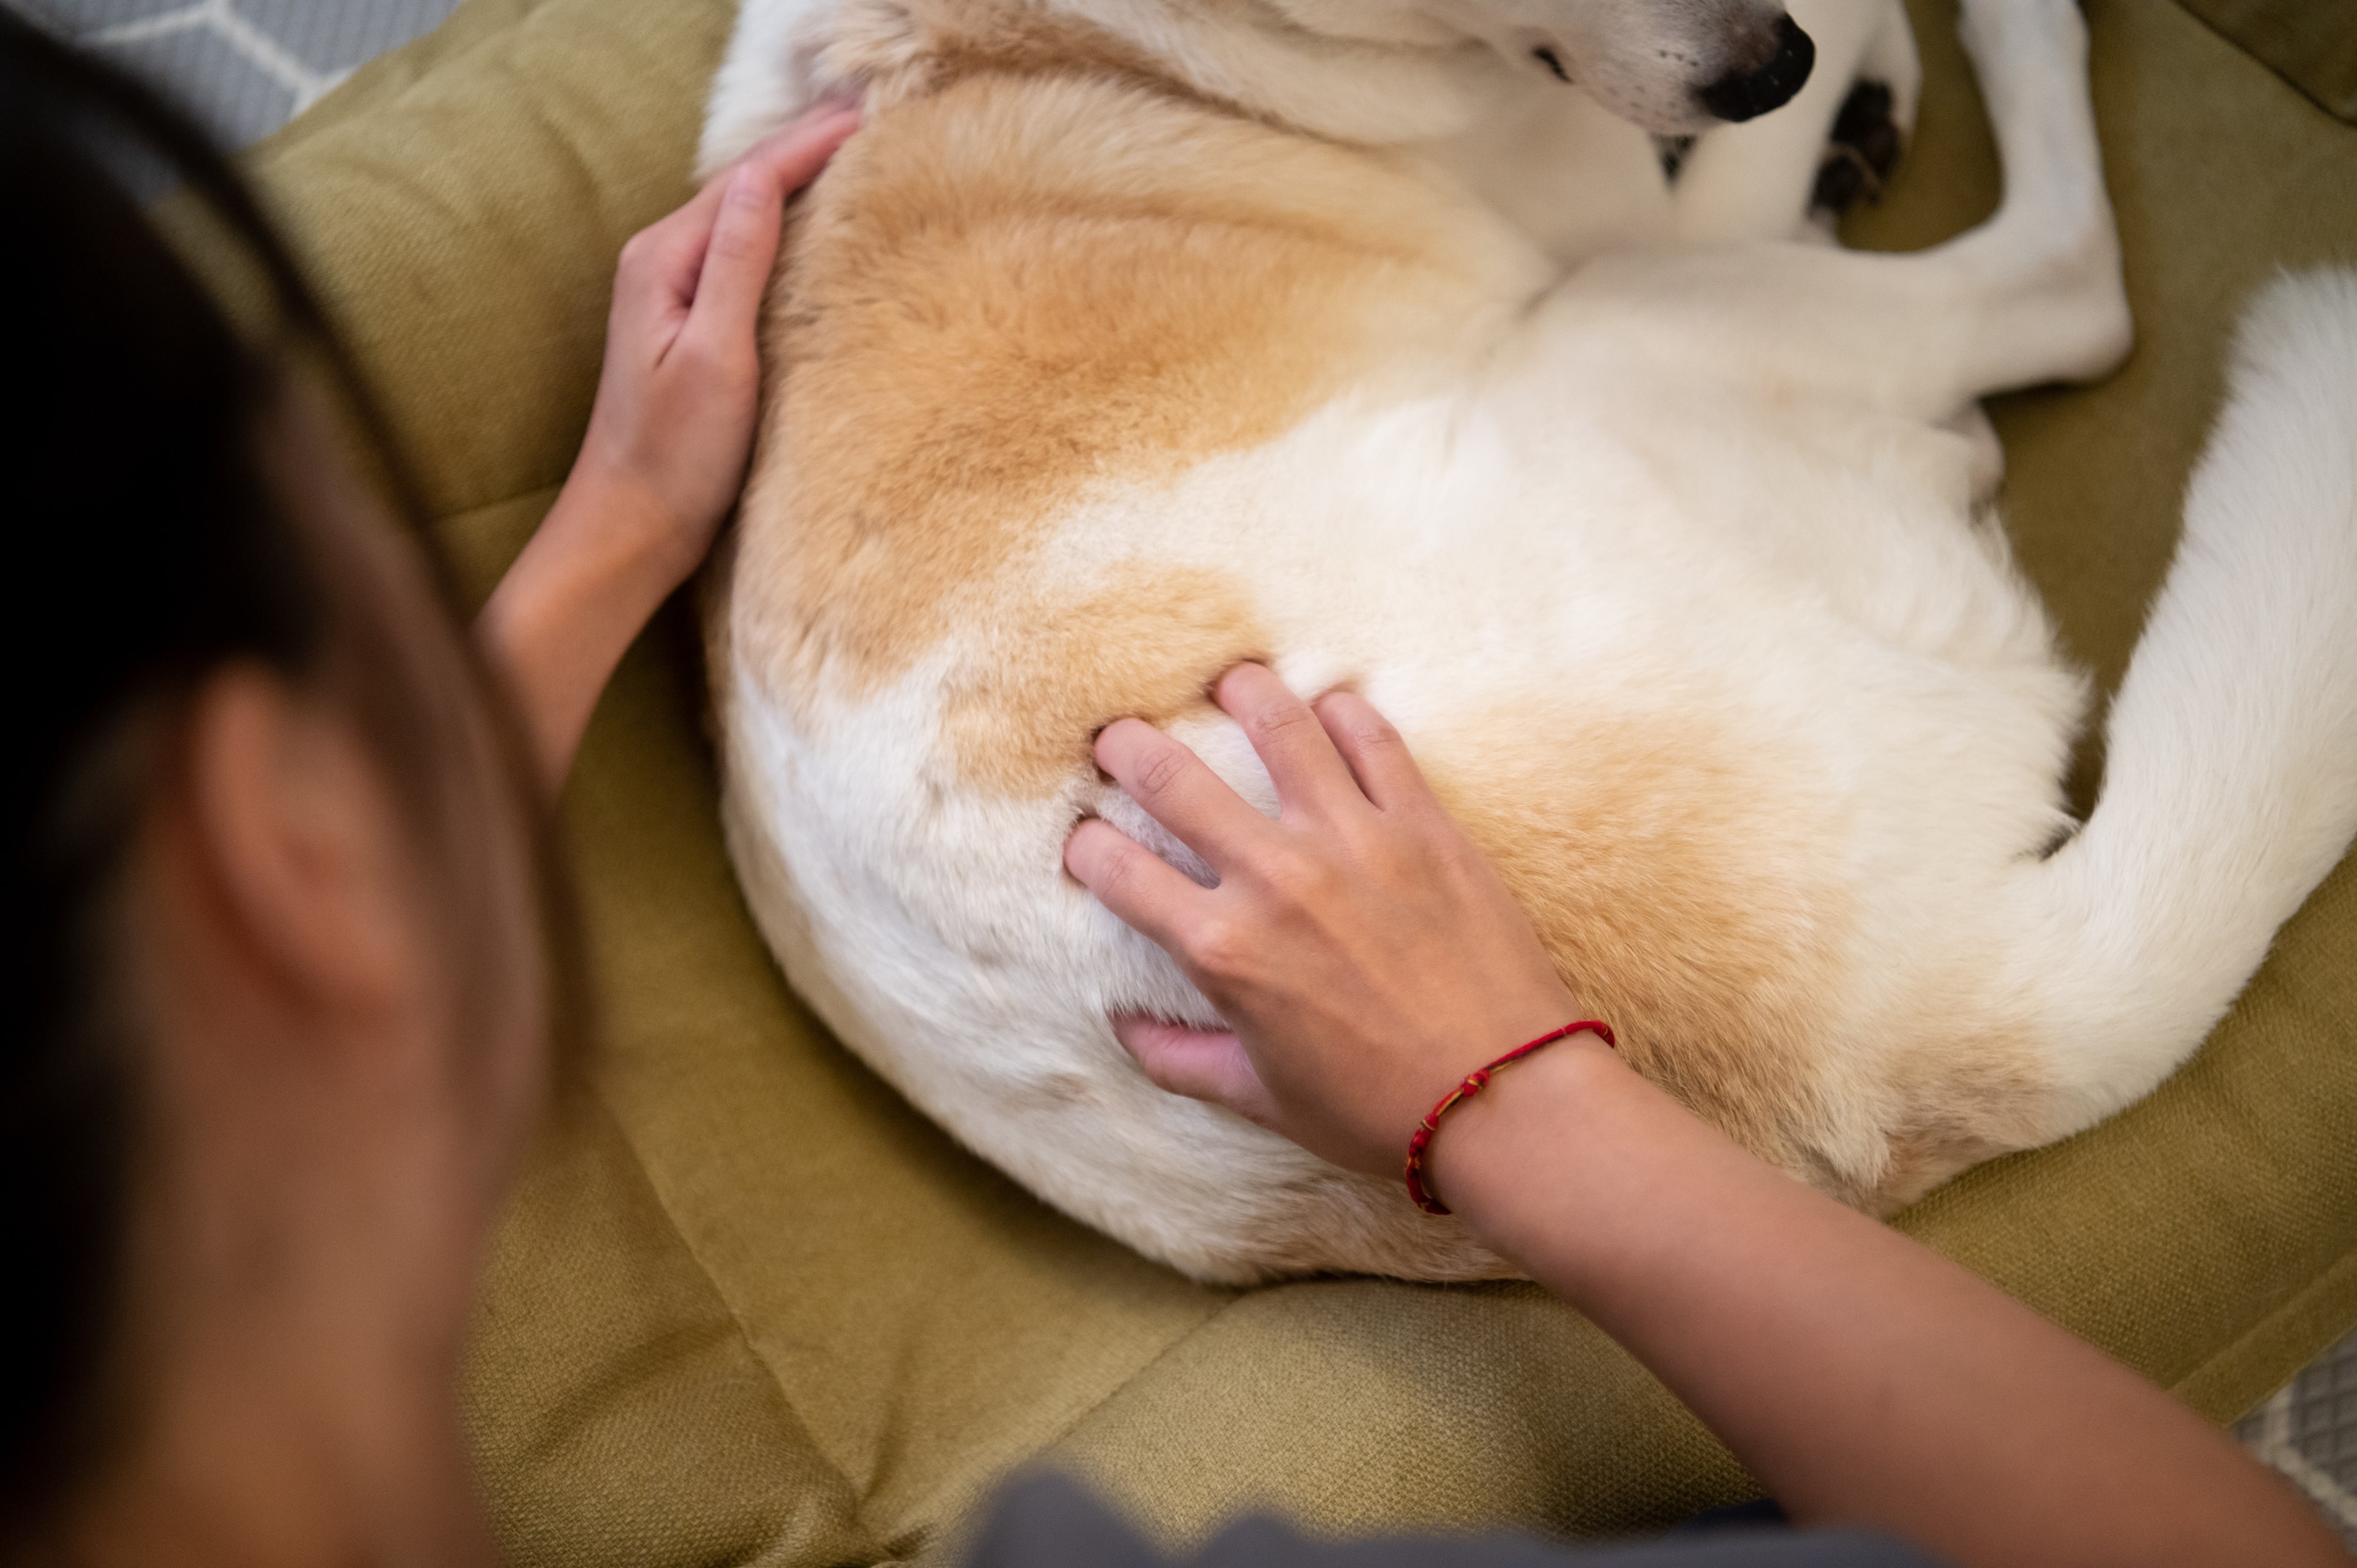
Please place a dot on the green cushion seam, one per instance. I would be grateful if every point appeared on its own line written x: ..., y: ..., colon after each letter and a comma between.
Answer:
x: 744, y: 1333
x: 2281, y: 70
x: 328, y: 112
x: 964, y: 1516
x: 2313, y: 1319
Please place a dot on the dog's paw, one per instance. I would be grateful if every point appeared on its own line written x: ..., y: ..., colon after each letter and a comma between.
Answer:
x: 1862, y: 153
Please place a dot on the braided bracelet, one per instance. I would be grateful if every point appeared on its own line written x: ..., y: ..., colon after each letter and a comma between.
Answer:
x: 1474, y: 1083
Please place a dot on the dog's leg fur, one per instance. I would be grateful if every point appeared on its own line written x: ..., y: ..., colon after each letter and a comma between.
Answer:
x: 2232, y: 785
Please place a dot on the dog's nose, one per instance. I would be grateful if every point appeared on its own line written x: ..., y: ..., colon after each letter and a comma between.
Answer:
x: 1744, y: 95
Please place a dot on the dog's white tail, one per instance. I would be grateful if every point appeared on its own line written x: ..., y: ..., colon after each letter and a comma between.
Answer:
x: 2231, y: 787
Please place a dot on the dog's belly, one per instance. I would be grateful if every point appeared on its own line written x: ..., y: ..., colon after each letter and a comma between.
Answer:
x: 1753, y: 802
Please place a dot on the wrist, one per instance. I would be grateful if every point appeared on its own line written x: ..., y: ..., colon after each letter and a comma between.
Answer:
x: 610, y: 529
x: 1502, y: 1151
x: 591, y: 577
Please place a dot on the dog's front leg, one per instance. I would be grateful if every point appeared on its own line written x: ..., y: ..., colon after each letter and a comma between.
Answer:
x: 2034, y: 295
x: 1759, y: 180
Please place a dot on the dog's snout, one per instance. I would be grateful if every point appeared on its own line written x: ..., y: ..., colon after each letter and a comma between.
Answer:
x: 1746, y: 94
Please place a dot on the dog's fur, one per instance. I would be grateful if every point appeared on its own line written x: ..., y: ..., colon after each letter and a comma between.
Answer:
x: 1134, y: 338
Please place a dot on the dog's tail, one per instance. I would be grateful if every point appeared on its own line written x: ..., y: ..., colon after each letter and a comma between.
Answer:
x: 2230, y: 785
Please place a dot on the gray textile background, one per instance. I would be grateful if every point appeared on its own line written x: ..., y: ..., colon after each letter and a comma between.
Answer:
x: 243, y: 66
x: 246, y: 67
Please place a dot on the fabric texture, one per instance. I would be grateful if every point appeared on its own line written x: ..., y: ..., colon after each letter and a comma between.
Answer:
x: 1048, y: 1522
x: 2312, y: 43
x: 748, y: 1308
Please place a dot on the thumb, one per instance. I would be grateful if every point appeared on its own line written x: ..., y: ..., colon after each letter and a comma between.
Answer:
x: 1200, y: 1066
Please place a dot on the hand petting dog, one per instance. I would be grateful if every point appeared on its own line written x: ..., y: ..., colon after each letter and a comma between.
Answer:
x: 1366, y: 953
x: 1368, y: 957
x: 669, y: 439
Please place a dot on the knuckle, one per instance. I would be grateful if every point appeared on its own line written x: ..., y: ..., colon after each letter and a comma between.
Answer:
x: 1117, y: 864
x: 1215, y: 946
x: 638, y: 252
x: 1295, y: 876
x: 696, y: 357
x: 736, y: 242
x: 1115, y: 877
x: 1161, y: 771
x: 1283, y: 719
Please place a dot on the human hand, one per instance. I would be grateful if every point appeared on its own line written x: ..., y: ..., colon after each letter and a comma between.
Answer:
x: 673, y: 428
x: 1370, y: 958
x: 1365, y: 952
x: 667, y: 445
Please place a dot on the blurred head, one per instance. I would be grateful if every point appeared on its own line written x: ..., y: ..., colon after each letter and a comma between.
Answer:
x: 276, y: 911
x: 1674, y: 67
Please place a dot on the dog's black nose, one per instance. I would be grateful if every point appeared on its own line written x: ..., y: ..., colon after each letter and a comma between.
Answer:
x: 1745, y: 95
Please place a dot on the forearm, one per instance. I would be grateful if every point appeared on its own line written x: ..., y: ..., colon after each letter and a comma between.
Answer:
x: 571, y: 605
x: 667, y: 443
x: 1863, y: 1378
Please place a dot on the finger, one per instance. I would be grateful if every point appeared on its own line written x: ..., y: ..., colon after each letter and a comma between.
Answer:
x: 1176, y: 788
x: 1378, y: 758
x: 795, y: 155
x: 737, y: 262
x: 1139, y: 886
x: 655, y: 278
x: 662, y: 264
x: 745, y: 235
x: 1200, y: 1066
x: 1301, y: 760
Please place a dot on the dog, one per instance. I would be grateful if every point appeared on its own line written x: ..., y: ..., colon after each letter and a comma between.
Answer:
x: 1133, y: 338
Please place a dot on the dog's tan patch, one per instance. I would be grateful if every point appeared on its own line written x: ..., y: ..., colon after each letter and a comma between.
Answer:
x: 1972, y: 1089
x: 1147, y: 643
x: 1683, y: 888
x: 1018, y: 289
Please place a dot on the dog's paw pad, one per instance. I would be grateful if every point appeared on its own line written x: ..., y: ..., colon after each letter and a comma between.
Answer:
x: 1863, y: 153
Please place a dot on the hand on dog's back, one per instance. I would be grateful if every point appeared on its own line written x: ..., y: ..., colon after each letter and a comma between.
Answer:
x: 1366, y: 953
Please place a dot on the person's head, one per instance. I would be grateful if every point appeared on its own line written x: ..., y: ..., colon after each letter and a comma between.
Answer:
x: 277, y: 920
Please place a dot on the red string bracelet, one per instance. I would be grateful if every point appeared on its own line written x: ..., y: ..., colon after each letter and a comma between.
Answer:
x: 1474, y: 1083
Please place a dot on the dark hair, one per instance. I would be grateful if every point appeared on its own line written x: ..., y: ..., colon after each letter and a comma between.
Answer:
x: 143, y: 513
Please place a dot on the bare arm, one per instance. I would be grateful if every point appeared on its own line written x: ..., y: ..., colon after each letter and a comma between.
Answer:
x: 1369, y: 959
x: 668, y: 441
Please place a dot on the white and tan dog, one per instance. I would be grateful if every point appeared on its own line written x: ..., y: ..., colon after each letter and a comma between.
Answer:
x: 1132, y: 339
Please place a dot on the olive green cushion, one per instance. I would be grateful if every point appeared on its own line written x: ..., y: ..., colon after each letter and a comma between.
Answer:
x: 747, y: 1307
x: 2312, y: 43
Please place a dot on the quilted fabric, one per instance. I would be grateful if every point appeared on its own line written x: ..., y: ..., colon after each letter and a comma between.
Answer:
x: 748, y: 1308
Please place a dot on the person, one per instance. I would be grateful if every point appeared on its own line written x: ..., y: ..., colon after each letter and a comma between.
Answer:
x: 294, y: 962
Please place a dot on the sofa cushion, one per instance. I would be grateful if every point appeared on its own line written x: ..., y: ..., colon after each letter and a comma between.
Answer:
x: 2312, y: 46
x: 748, y: 1308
